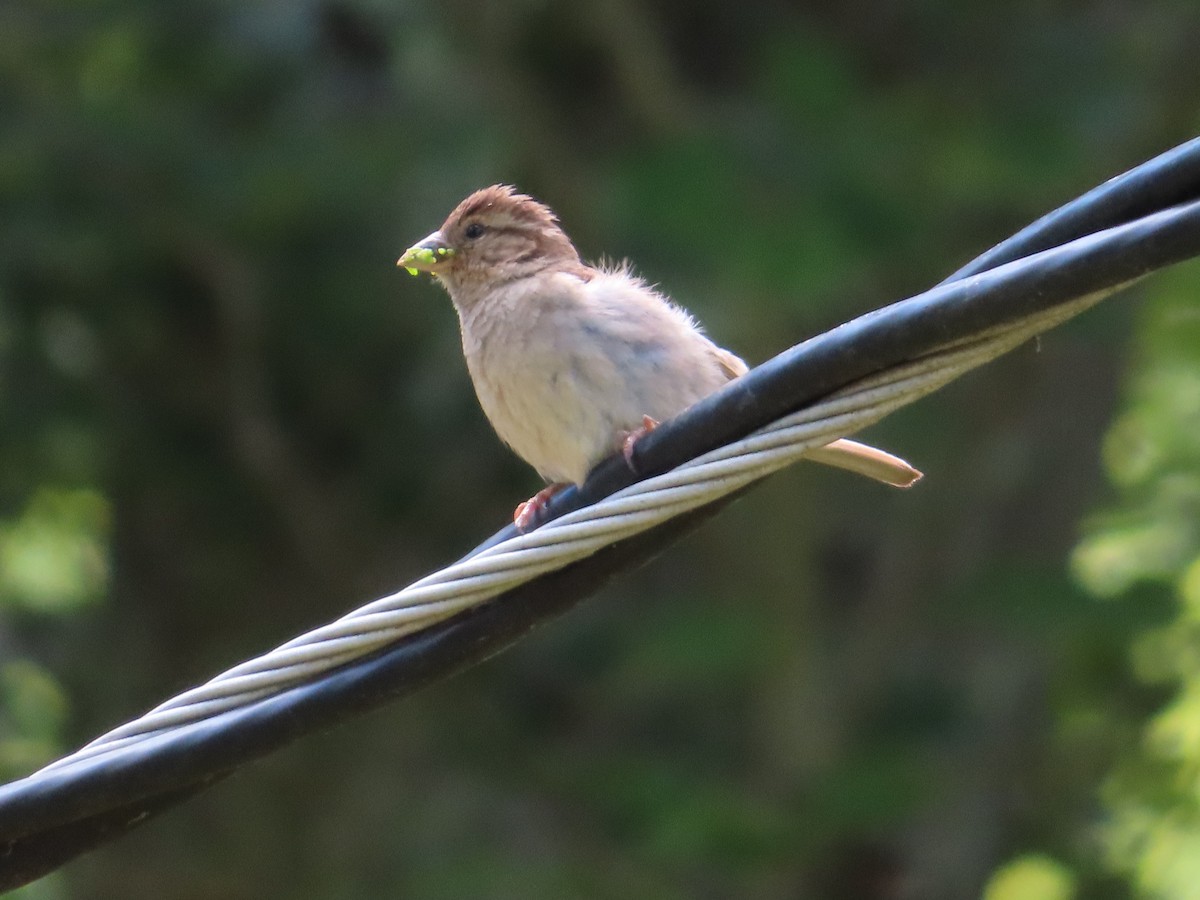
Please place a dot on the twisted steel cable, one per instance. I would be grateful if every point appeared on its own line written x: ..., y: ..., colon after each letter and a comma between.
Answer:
x: 564, y: 540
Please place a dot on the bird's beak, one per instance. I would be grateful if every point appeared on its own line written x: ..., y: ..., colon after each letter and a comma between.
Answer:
x: 426, y: 255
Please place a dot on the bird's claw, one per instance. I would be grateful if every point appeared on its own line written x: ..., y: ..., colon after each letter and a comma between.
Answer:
x: 629, y: 440
x: 527, y: 514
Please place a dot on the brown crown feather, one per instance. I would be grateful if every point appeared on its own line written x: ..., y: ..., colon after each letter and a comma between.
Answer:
x: 506, y: 199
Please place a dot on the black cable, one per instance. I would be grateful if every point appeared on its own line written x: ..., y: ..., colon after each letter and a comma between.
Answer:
x: 1165, y: 181
x: 48, y: 819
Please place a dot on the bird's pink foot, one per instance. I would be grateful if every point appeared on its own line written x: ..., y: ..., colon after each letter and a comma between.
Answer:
x: 527, y: 514
x: 630, y: 439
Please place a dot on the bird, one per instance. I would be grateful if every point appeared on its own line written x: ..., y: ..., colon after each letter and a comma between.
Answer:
x: 574, y: 362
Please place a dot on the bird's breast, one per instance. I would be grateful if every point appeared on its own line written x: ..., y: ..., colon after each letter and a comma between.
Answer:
x: 543, y: 395
x: 561, y: 380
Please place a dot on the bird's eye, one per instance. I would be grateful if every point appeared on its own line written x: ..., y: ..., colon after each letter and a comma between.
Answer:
x: 473, y: 231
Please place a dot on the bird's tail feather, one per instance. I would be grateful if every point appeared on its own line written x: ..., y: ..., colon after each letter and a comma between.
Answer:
x: 863, y: 459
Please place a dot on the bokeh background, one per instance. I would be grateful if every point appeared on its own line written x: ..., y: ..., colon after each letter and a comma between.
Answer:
x: 226, y: 417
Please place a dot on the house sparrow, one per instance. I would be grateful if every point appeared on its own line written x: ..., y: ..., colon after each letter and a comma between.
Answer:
x: 573, y: 362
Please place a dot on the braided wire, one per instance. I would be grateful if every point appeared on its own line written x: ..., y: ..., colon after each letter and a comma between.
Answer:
x: 560, y: 542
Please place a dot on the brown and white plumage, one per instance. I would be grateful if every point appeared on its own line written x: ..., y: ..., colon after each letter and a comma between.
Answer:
x: 567, y: 359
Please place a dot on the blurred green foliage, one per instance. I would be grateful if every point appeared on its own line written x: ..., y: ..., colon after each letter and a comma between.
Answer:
x: 1031, y: 877
x: 227, y: 418
x: 54, y: 556
x: 1152, y: 536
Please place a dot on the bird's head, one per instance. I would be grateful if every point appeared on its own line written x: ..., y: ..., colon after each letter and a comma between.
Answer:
x: 494, y: 236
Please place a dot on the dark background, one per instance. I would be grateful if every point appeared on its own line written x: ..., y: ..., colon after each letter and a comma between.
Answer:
x: 226, y: 417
